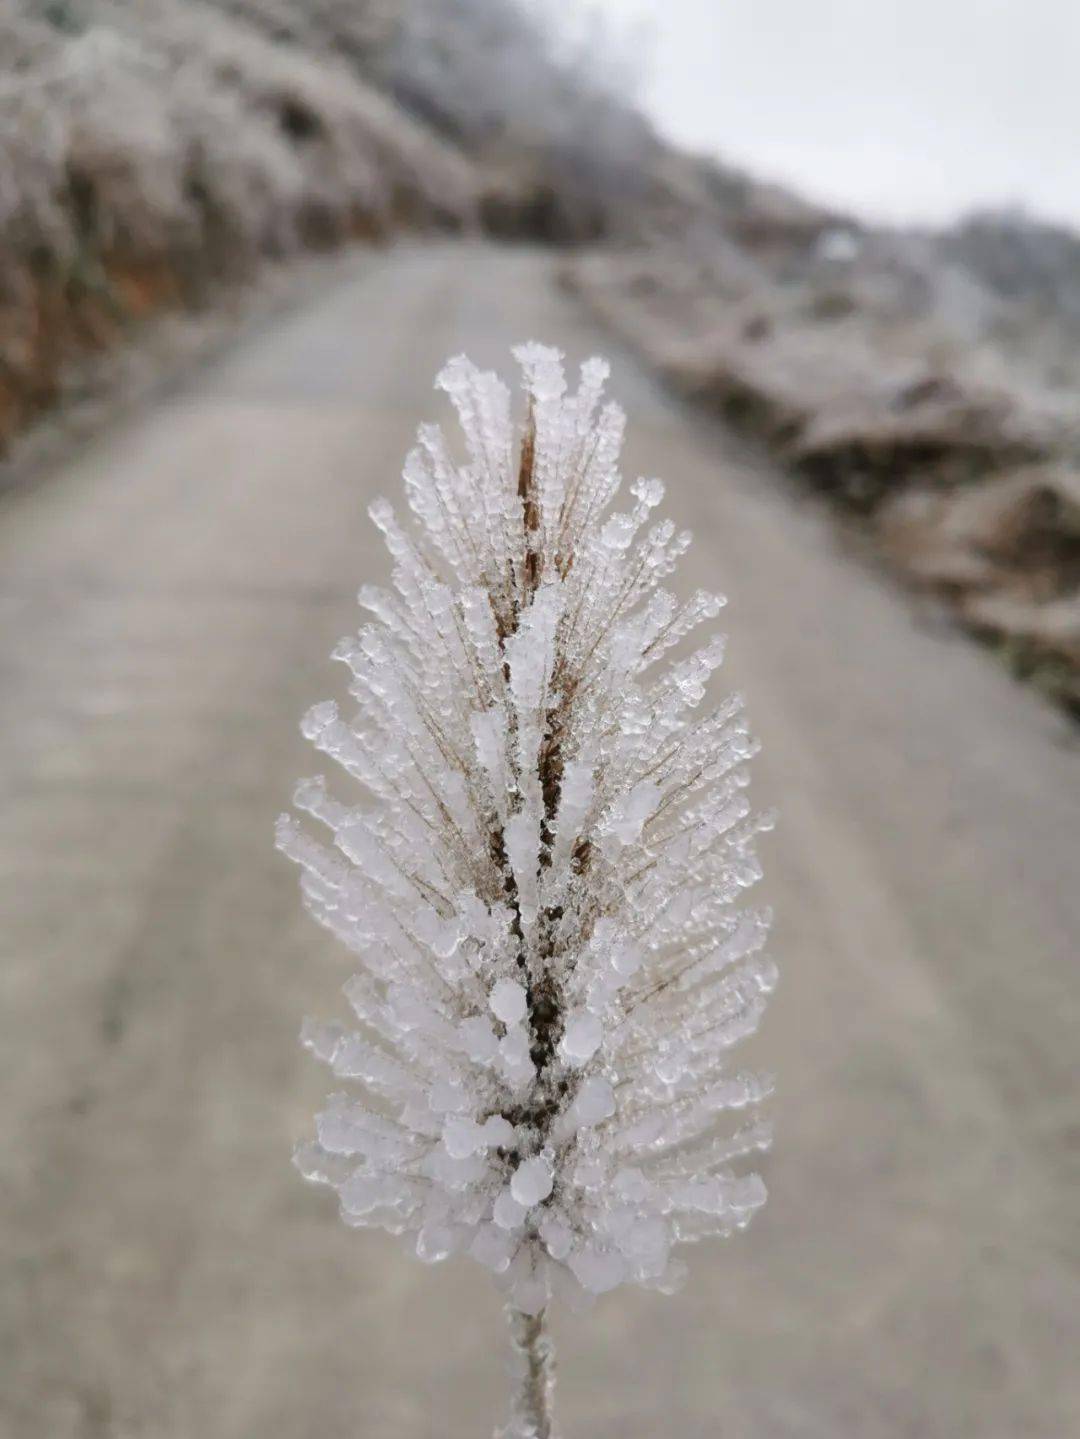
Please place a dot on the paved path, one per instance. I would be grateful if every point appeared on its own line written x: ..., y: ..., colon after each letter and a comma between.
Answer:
x: 167, y: 604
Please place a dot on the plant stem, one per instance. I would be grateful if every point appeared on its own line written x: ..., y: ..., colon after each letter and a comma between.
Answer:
x: 534, y: 1378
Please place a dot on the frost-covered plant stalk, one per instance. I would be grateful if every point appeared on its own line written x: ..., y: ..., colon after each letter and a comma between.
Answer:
x: 543, y: 880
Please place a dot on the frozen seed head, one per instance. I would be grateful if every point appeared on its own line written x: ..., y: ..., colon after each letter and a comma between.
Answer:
x: 539, y: 855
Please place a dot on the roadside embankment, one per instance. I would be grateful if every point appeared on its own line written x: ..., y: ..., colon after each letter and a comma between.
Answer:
x: 936, y: 412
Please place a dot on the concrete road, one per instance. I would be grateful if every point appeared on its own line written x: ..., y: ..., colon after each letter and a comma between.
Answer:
x: 168, y: 603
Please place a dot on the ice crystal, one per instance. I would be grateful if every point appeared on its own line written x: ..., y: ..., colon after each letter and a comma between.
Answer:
x: 543, y: 881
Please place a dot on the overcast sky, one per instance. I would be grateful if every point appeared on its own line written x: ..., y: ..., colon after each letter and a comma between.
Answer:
x: 903, y: 109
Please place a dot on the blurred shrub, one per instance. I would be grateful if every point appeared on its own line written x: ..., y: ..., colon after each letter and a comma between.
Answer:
x: 564, y: 153
x: 932, y: 403
x: 1021, y: 258
x: 153, y: 151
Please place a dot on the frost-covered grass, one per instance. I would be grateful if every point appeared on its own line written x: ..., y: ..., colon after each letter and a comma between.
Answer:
x: 153, y: 150
x: 565, y: 153
x: 166, y: 125
x: 540, y: 856
x: 927, y: 383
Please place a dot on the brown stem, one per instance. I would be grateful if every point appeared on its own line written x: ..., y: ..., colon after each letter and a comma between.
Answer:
x: 529, y: 503
x: 531, y: 1409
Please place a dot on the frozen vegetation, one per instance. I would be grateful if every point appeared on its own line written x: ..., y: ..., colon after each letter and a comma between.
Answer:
x: 154, y: 153
x: 926, y: 383
x: 564, y: 153
x: 544, y: 880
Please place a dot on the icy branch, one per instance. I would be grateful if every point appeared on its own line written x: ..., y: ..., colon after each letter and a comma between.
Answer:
x: 538, y: 851
x: 533, y: 1370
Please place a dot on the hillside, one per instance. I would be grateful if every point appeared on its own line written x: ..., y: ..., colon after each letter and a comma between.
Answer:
x: 924, y: 383
x: 159, y: 159
x: 157, y: 155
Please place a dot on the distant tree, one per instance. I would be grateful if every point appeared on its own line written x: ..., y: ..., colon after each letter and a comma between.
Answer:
x: 1021, y: 258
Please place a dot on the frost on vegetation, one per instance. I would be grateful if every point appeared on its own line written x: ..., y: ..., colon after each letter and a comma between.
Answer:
x: 151, y: 151
x: 152, y: 131
x: 542, y: 872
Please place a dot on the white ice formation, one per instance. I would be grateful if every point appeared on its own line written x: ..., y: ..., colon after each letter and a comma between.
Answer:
x: 543, y: 879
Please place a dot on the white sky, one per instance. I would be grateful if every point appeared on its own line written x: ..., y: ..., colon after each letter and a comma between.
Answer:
x: 899, y: 109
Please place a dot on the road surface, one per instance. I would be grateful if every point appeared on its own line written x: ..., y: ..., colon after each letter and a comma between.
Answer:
x: 167, y: 603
